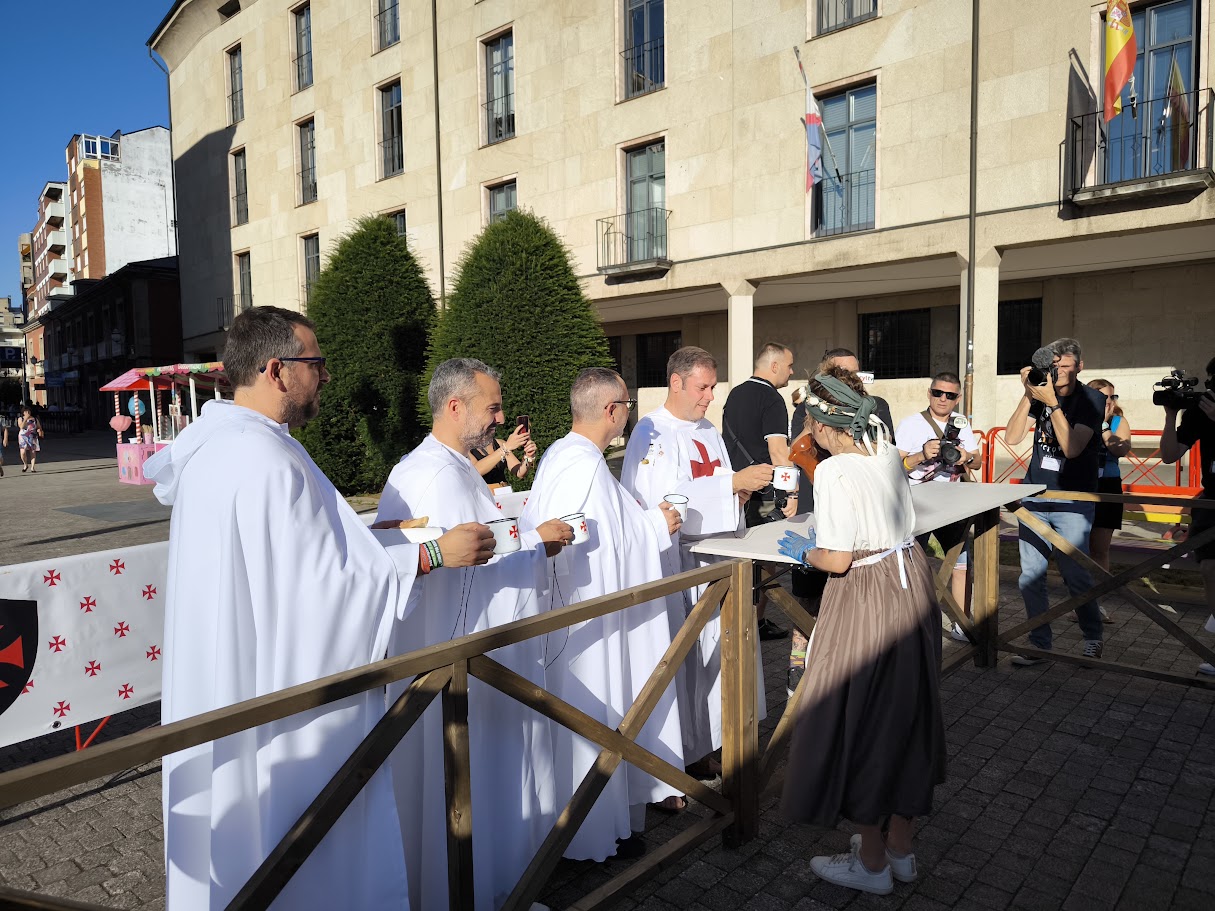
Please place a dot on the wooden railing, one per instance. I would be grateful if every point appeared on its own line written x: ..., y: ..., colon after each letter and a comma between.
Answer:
x: 442, y: 671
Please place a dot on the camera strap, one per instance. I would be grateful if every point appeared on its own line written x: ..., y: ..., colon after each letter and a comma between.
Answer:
x: 940, y: 432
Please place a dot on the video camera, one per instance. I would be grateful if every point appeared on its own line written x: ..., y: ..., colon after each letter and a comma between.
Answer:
x: 1178, y: 391
x: 1042, y: 367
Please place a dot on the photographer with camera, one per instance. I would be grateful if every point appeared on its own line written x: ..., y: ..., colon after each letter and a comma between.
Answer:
x: 938, y: 445
x: 1066, y: 418
x: 1177, y: 393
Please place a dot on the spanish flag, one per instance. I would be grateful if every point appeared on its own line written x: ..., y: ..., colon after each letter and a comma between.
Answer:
x: 1119, y: 54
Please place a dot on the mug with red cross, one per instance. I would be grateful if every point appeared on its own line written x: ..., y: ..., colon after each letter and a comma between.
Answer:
x: 577, y: 521
x: 506, y: 535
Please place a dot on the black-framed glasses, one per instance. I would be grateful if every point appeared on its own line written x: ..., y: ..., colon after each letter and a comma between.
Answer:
x: 319, y: 361
x: 952, y: 396
x: 628, y: 404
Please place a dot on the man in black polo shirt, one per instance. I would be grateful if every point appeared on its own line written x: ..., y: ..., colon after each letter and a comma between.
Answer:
x: 1197, y: 426
x: 755, y: 426
x: 1065, y: 417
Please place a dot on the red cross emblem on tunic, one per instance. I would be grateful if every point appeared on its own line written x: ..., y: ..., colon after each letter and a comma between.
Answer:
x: 126, y: 691
x: 52, y: 578
x: 117, y: 567
x: 88, y: 604
x: 92, y: 668
x: 149, y: 592
x: 703, y: 468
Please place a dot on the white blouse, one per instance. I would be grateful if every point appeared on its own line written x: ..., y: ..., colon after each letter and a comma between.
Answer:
x: 863, y: 503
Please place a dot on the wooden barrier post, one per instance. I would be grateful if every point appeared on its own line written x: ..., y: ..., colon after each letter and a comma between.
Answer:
x: 739, y: 727
x: 457, y: 787
x: 986, y: 597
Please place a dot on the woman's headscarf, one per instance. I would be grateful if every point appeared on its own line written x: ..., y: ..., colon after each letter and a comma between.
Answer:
x: 854, y: 412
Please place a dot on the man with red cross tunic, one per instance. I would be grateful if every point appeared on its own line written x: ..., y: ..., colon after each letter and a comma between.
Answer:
x: 674, y: 450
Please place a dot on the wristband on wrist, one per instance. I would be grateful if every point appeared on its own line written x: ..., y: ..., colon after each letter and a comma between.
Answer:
x: 436, y: 556
x: 424, y: 564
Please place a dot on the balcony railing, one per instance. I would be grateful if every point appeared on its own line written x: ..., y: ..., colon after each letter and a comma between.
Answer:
x: 644, y: 68
x: 388, y: 26
x: 58, y: 269
x: 392, y: 156
x: 236, y: 105
x: 1148, y: 141
x: 845, y: 203
x: 836, y: 14
x: 633, y: 240
x: 307, y: 186
x: 499, y: 118
x: 240, y: 209
x: 228, y: 308
x: 56, y: 241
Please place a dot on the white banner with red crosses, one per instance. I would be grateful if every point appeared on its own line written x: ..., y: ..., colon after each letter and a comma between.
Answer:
x: 95, y: 648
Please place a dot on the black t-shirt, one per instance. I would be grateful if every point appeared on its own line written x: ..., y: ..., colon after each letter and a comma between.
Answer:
x: 1196, y: 427
x: 754, y: 411
x: 1085, y: 407
x: 497, y: 474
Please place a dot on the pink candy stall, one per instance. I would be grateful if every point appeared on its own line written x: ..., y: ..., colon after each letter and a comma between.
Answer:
x: 143, y: 430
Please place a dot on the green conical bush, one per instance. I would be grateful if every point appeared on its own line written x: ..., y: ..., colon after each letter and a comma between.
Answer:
x: 373, y: 311
x: 517, y: 305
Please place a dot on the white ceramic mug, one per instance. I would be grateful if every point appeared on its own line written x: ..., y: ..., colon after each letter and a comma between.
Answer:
x: 680, y: 502
x: 506, y: 535
x: 785, y: 477
x: 577, y: 521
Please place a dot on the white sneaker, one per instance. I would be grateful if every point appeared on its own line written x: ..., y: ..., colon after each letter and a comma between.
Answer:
x: 1208, y: 669
x: 958, y: 634
x: 901, y: 868
x: 847, y: 870
x: 1105, y: 615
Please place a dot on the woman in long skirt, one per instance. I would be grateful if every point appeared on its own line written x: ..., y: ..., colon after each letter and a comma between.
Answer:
x: 868, y: 739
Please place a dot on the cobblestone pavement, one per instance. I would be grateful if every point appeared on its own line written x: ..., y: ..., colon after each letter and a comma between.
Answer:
x: 1067, y: 788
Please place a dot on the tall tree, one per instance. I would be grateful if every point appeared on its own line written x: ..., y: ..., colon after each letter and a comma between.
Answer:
x: 516, y: 305
x: 373, y: 310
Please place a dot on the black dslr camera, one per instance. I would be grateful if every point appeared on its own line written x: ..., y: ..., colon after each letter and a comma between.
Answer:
x: 951, y: 450
x: 1178, y: 391
x: 1038, y: 376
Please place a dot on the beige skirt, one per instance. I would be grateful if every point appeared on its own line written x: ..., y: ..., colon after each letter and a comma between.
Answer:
x: 869, y: 739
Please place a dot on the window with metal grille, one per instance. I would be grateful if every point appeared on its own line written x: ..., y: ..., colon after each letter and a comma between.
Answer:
x: 654, y: 349
x: 312, y: 264
x: 303, y: 46
x: 388, y: 23
x: 398, y: 219
x: 500, y: 88
x: 236, y: 86
x: 307, y: 143
x: 240, y: 188
x: 392, y: 148
x: 837, y: 14
x: 845, y: 199
x: 644, y: 47
x: 896, y: 344
x: 1020, y: 333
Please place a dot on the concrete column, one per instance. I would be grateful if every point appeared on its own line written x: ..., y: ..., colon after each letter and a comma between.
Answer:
x: 740, y: 312
x: 984, y: 406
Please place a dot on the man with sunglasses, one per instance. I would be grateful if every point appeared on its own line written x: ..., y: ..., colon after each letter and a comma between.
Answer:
x: 274, y: 581
x: 919, y: 440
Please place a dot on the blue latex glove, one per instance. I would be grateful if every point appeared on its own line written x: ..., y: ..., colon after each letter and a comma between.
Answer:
x: 795, y: 546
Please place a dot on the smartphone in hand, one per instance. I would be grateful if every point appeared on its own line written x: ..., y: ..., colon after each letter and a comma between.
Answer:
x: 524, y: 423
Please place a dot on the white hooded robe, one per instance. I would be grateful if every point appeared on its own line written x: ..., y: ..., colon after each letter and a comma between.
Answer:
x: 600, y: 666
x: 273, y: 581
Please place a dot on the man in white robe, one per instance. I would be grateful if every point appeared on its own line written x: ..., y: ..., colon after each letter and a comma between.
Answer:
x: 600, y: 666
x: 510, y: 748
x: 675, y: 450
x: 274, y: 581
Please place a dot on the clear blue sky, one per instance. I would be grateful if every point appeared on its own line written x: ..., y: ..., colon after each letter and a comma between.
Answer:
x: 68, y: 67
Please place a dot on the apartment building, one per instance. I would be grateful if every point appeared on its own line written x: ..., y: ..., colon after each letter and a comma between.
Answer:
x: 25, y: 253
x: 12, y: 342
x: 665, y: 142
x: 49, y: 249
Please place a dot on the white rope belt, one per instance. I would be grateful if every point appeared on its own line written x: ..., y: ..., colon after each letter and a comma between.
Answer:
x: 898, y: 550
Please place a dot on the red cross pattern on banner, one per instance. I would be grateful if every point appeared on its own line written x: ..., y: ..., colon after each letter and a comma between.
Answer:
x: 81, y: 638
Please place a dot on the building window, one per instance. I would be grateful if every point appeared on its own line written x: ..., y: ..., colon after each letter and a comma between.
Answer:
x: 646, y: 218
x: 302, y: 17
x: 244, y: 282
x: 240, y: 188
x: 654, y: 349
x: 392, y: 149
x: 312, y: 265
x: 236, y: 86
x: 845, y: 199
x: 398, y: 219
x: 1160, y: 134
x: 307, y: 143
x: 500, y: 88
x: 644, y: 46
x: 1019, y: 334
x: 387, y: 24
x: 501, y: 200
x: 896, y: 344
x: 837, y: 14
